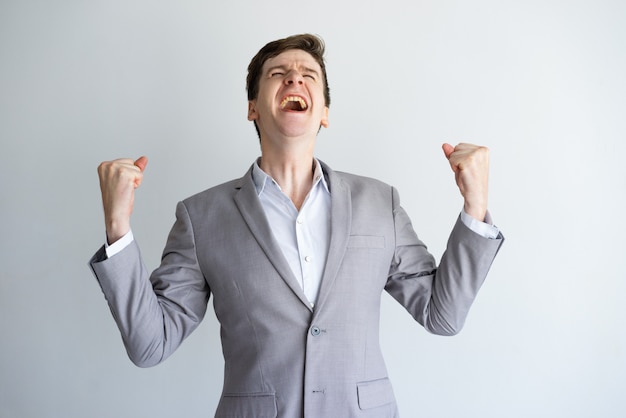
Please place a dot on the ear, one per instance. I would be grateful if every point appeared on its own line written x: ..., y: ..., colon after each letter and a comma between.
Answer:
x: 324, y: 121
x: 252, y: 113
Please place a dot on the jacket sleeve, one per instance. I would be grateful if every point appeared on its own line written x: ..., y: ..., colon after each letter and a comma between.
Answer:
x: 438, y: 297
x: 155, y: 313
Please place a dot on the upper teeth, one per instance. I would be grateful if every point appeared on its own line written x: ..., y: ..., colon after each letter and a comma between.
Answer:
x: 293, y: 99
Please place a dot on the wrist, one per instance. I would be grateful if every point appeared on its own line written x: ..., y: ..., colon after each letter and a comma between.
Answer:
x: 476, y: 212
x: 116, y: 230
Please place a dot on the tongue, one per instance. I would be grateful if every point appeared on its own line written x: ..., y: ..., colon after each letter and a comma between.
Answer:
x: 293, y: 106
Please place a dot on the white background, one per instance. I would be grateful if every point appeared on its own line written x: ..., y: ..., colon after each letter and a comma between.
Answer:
x: 541, y: 83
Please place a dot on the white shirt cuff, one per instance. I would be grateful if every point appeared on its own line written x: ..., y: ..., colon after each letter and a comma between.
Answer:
x: 118, y: 245
x: 486, y: 229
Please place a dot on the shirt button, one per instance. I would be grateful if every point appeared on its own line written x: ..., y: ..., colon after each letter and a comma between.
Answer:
x: 299, y: 221
x: 307, y: 259
x: 315, y: 331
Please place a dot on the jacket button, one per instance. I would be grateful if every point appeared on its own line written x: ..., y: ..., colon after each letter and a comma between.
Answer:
x: 315, y: 331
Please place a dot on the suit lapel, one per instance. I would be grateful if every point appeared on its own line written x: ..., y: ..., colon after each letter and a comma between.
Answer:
x: 249, y: 206
x: 340, y: 226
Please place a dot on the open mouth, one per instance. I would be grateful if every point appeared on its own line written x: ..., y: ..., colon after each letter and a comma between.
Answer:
x: 293, y: 103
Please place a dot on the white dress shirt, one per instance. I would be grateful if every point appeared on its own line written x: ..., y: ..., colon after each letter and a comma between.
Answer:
x: 303, y: 236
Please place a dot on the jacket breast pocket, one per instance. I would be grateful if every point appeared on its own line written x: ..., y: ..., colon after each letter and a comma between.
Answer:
x: 247, y: 405
x: 375, y: 393
x: 366, y: 241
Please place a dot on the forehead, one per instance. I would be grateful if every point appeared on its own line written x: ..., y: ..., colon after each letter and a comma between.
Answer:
x: 292, y: 57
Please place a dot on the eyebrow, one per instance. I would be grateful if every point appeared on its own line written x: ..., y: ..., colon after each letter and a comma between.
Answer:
x: 284, y: 68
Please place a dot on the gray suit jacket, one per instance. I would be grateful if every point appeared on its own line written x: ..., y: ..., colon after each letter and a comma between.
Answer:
x: 282, y: 357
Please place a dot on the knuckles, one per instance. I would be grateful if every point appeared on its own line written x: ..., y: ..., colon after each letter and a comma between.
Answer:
x: 472, y: 153
x: 120, y: 169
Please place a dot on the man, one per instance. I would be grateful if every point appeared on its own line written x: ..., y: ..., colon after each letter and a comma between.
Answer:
x: 296, y: 256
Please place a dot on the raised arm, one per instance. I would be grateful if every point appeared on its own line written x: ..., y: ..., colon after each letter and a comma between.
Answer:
x: 153, y: 313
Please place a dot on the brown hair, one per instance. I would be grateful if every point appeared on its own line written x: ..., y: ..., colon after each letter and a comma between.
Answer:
x: 312, y: 44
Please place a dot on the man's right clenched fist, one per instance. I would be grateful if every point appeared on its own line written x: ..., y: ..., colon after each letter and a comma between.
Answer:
x: 118, y: 181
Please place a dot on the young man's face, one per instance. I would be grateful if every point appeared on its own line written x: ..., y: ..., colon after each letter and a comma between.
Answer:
x: 290, y: 102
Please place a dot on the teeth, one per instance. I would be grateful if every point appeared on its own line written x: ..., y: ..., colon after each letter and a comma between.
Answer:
x: 288, y: 99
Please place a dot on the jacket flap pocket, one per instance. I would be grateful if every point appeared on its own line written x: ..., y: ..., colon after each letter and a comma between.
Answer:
x: 375, y: 393
x: 235, y: 405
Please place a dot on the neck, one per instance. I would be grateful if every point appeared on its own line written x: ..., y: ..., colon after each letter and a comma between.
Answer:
x: 291, y: 167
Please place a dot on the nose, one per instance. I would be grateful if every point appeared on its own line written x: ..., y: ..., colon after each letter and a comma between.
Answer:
x: 294, y: 77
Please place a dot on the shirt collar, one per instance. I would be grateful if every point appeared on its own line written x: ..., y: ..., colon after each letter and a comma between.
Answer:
x: 261, y: 178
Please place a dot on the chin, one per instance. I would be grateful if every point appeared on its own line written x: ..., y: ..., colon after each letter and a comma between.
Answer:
x: 298, y: 131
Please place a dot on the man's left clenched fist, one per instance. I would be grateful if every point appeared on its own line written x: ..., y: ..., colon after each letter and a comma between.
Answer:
x: 470, y: 164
